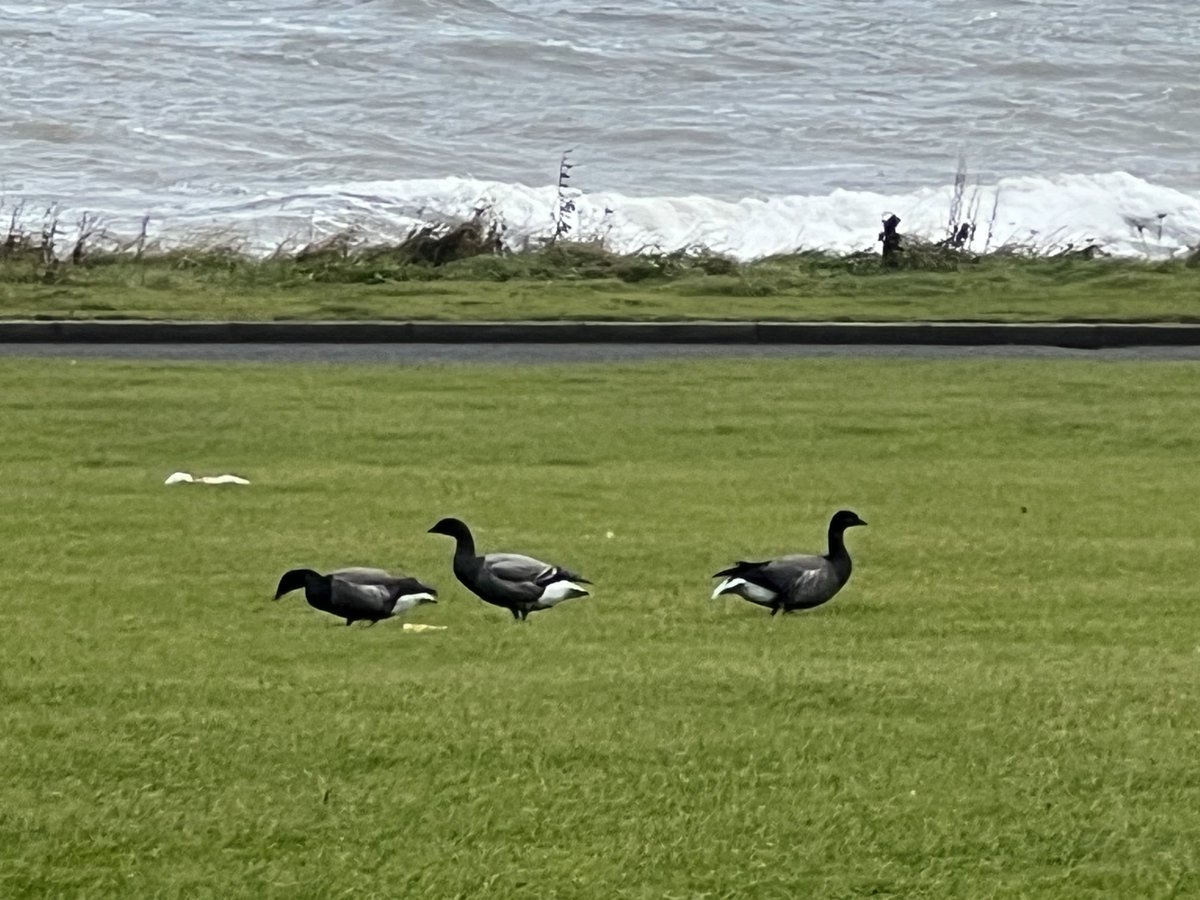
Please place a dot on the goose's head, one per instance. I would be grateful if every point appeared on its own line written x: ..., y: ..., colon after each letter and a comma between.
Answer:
x: 843, y: 519
x: 293, y: 580
x: 451, y: 527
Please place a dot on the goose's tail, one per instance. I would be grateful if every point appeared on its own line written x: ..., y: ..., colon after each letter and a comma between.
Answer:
x: 747, y: 590
x: 728, y: 586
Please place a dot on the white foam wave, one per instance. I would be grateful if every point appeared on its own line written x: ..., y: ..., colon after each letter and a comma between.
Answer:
x: 1125, y: 215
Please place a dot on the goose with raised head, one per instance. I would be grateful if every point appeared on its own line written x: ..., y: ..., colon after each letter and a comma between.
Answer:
x: 357, y: 594
x: 520, y: 584
x: 790, y: 583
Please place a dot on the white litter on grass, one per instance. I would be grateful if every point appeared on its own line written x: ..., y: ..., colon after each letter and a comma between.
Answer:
x: 185, y: 478
x: 413, y: 626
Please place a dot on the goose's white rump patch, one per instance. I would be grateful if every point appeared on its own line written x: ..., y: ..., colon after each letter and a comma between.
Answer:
x: 558, y: 591
x: 412, y: 599
x: 741, y: 586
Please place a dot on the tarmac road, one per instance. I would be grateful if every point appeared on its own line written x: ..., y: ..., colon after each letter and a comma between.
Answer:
x: 533, y: 354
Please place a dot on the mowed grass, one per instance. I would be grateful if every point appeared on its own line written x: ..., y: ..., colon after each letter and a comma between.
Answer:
x: 1004, y: 701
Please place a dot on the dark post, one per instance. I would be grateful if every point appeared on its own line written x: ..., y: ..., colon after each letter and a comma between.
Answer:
x: 891, y: 241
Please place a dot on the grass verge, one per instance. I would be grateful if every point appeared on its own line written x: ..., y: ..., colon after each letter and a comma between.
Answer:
x: 1003, y: 701
x: 582, y: 282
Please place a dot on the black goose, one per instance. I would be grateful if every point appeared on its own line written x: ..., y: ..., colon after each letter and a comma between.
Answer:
x: 789, y: 583
x: 357, y: 594
x: 520, y: 584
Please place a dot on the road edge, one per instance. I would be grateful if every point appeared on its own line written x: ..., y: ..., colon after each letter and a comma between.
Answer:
x: 1097, y: 335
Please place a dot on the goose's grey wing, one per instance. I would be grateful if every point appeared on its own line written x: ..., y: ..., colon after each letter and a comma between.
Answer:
x: 805, y: 580
x: 524, y: 569
x: 778, y: 575
x: 364, y: 575
x: 522, y: 579
x: 362, y: 601
x: 397, y: 583
x: 794, y: 566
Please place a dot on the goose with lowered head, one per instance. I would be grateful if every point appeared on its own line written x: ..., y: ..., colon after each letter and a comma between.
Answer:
x: 357, y: 593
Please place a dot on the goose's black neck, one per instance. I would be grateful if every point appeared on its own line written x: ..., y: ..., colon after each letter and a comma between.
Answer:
x: 464, y: 543
x: 318, y: 589
x: 295, y: 579
x: 837, y: 541
x: 466, y: 563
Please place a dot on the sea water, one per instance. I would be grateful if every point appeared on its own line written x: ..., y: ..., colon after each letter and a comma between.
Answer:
x: 748, y: 128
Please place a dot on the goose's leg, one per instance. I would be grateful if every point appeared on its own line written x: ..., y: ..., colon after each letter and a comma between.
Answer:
x: 349, y: 622
x: 516, y: 613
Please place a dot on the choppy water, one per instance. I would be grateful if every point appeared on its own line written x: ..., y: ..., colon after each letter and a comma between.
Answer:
x: 752, y: 126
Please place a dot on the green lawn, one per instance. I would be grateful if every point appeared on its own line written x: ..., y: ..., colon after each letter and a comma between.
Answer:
x: 589, y: 284
x: 1003, y: 702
